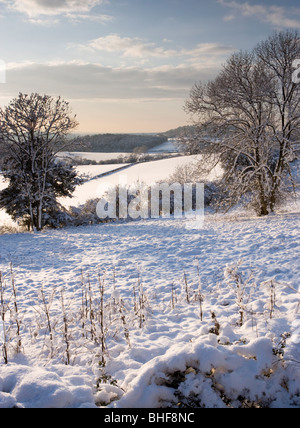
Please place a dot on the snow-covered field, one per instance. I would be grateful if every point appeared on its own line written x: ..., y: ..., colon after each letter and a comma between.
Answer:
x: 98, y: 157
x: 169, y: 146
x: 158, y: 351
x: 85, y: 192
x: 148, y: 173
x: 150, y: 313
x: 92, y: 171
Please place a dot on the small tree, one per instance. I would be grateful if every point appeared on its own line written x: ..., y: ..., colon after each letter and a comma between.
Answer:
x: 248, y: 121
x: 33, y: 129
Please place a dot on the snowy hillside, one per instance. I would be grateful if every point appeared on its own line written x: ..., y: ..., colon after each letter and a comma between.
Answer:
x: 151, y: 314
x: 148, y: 173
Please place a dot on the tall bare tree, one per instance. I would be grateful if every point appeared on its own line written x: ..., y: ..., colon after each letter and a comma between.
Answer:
x: 279, y: 54
x: 33, y: 129
x: 248, y: 121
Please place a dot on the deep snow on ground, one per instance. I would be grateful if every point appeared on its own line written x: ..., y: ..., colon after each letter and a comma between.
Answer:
x: 245, y: 351
x: 169, y: 356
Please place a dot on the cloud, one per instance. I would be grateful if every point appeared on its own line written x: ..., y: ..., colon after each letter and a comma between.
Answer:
x: 42, y: 11
x: 35, y: 8
x: 111, y: 99
x: 140, y: 48
x: 128, y: 47
x: 79, y: 80
x: 278, y: 16
x: 209, y: 49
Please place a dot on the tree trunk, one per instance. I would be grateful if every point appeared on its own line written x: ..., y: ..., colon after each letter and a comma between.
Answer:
x: 39, y: 216
x: 263, y: 210
x: 32, y: 220
x: 263, y: 202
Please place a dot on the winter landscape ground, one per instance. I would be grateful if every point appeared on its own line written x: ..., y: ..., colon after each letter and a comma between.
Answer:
x: 149, y: 314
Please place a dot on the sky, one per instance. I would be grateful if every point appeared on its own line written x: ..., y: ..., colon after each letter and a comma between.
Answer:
x: 128, y: 65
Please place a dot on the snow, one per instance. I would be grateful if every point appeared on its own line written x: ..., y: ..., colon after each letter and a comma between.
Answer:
x: 147, y: 173
x: 4, y: 218
x: 92, y: 171
x: 236, y: 369
x: 170, y: 146
x: 93, y: 156
x: 158, y: 352
x: 89, y: 190
x: 39, y: 387
x: 174, y: 356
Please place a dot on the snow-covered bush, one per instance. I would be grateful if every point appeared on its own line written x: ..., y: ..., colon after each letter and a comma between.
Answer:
x: 209, y: 374
x: 193, y: 173
x: 85, y: 214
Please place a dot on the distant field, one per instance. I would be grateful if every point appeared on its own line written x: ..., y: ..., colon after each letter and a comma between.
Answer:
x: 92, y: 171
x: 167, y: 147
x: 148, y: 173
x: 98, y: 157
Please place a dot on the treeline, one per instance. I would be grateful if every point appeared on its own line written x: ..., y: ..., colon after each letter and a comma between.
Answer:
x: 113, y: 143
x: 122, y: 159
x: 180, y: 132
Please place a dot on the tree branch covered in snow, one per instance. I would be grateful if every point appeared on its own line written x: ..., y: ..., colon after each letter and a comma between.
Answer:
x: 33, y: 129
x: 248, y: 121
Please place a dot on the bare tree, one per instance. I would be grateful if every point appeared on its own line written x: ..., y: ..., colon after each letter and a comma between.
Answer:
x: 33, y: 129
x: 248, y: 120
x: 279, y: 54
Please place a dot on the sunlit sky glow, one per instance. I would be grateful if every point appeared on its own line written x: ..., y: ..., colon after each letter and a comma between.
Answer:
x: 128, y: 65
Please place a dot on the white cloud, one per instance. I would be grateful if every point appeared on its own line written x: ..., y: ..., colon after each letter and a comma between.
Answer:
x: 139, y: 48
x: 46, y: 12
x: 35, y: 8
x: 209, y: 49
x: 129, y: 47
x: 80, y: 80
x: 76, y: 17
x: 109, y: 99
x: 278, y: 16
